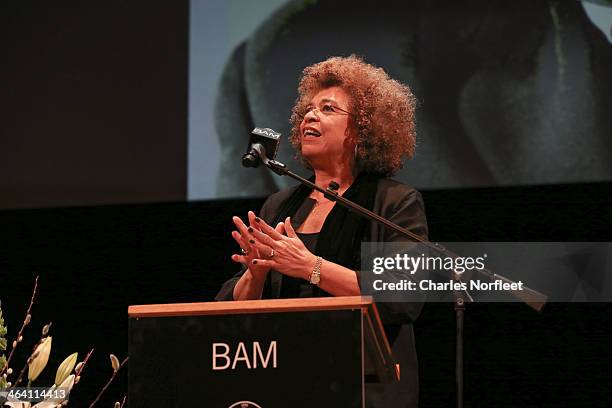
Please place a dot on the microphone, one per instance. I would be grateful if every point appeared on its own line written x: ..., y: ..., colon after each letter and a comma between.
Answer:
x: 263, y: 146
x: 332, y: 190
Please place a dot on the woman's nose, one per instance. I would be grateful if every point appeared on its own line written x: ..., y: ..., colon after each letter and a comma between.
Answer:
x: 311, y: 115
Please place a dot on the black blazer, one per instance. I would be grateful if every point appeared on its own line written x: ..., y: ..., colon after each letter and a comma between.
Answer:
x: 402, y: 205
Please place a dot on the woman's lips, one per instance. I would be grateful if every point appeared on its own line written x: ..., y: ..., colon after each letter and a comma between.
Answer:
x: 311, y: 132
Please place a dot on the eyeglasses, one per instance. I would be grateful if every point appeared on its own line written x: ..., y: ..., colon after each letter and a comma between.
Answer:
x: 327, y: 109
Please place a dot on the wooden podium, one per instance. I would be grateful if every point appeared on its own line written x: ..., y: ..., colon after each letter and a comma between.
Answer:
x: 314, y: 352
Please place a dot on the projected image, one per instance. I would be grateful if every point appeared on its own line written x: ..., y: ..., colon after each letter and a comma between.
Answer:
x: 510, y: 93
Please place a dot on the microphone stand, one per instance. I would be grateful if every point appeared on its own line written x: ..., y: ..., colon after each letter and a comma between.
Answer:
x: 532, y: 298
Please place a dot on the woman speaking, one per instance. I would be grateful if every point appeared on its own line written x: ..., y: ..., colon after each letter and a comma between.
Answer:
x: 352, y: 125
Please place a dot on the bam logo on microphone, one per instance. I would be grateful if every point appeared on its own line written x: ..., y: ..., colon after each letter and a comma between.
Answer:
x: 266, y: 132
x: 222, y: 358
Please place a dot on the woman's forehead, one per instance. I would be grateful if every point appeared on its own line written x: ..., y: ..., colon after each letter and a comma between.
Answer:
x: 331, y: 94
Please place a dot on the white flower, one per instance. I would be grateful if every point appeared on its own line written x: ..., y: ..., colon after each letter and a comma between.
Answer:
x: 65, y: 368
x: 39, y: 362
x: 47, y: 404
x: 17, y: 404
x: 67, y: 385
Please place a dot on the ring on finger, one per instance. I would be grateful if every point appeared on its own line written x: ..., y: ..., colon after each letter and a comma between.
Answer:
x: 271, y: 254
x: 244, y: 251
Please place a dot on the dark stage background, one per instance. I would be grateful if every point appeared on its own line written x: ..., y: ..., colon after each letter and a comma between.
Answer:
x: 95, y: 261
x: 94, y: 102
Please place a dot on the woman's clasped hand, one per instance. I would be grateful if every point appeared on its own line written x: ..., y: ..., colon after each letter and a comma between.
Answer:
x: 264, y: 247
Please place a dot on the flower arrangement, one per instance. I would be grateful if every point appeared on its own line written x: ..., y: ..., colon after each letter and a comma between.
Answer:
x: 68, y: 373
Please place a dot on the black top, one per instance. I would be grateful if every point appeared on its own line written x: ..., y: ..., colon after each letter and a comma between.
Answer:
x: 396, y: 202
